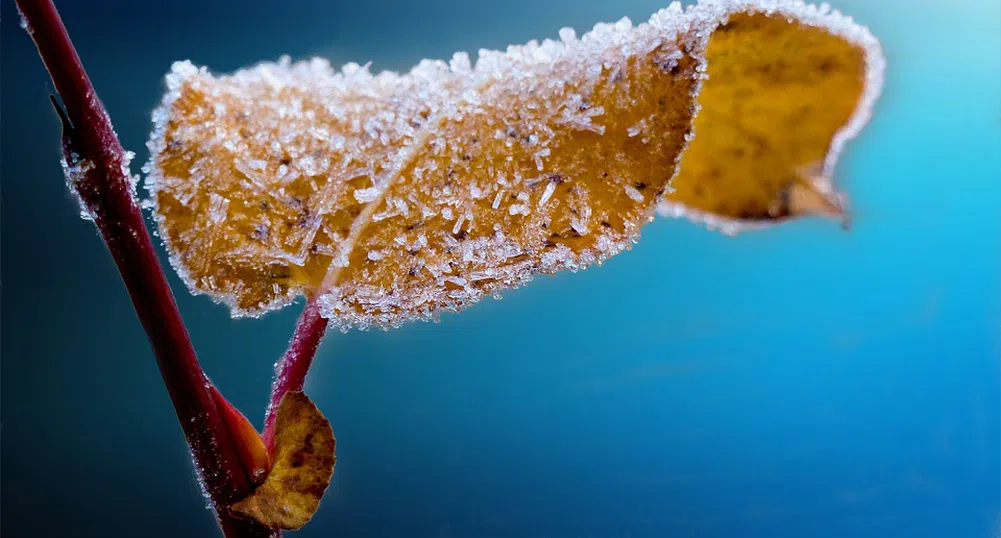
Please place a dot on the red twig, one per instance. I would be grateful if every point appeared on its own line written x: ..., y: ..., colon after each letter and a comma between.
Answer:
x: 291, y: 370
x: 103, y: 184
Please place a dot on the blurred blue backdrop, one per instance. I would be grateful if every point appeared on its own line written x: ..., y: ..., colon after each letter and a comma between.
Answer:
x: 800, y: 382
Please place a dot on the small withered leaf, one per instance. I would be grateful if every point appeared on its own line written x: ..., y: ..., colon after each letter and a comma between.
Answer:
x: 396, y: 197
x: 303, y: 463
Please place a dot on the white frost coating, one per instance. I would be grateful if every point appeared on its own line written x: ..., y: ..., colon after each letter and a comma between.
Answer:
x: 547, y: 194
x: 634, y: 193
x: 347, y: 94
x: 218, y: 207
x: 518, y: 209
x: 367, y: 195
x: 519, y: 65
x: 75, y: 170
x: 127, y: 172
x: 711, y: 221
x: 458, y: 88
x: 580, y: 115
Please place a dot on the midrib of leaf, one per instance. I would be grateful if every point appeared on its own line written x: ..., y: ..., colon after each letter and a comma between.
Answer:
x: 358, y: 225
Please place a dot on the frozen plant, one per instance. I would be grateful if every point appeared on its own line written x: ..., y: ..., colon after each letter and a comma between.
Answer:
x: 384, y: 198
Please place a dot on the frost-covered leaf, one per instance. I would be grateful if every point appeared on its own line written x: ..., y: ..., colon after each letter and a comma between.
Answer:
x: 399, y: 196
x: 303, y: 459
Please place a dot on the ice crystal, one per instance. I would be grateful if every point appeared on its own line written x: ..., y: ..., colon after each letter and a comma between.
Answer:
x: 397, y: 196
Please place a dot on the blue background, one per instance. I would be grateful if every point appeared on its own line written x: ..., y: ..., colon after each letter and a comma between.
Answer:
x: 800, y: 382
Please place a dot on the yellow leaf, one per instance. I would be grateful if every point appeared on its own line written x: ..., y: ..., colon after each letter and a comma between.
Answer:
x: 303, y: 464
x: 777, y: 96
x: 396, y: 197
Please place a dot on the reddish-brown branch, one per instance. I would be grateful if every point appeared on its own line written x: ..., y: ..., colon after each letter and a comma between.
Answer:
x: 107, y: 192
x: 291, y: 370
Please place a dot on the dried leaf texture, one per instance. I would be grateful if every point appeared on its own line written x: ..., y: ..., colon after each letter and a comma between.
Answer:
x: 776, y: 97
x: 397, y: 197
x: 541, y: 167
x: 303, y: 465
x: 260, y: 175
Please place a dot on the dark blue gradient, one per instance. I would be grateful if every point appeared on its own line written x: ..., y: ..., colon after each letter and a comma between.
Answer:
x: 797, y: 382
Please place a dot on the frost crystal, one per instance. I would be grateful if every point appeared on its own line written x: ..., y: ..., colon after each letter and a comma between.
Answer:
x: 75, y: 170
x: 634, y: 193
x: 400, y: 196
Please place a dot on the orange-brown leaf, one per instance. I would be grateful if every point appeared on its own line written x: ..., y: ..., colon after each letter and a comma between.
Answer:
x: 776, y: 97
x: 396, y: 197
x: 303, y: 465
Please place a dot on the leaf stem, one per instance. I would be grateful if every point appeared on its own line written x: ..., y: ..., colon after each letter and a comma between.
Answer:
x: 107, y: 191
x: 291, y: 369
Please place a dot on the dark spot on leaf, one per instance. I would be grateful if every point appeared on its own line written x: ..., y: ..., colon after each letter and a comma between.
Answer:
x: 260, y: 232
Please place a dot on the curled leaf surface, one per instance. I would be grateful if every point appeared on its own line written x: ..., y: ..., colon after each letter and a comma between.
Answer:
x: 399, y: 196
x: 778, y: 102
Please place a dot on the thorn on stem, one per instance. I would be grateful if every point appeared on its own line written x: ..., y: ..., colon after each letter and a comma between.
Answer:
x: 61, y: 112
x: 69, y: 138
